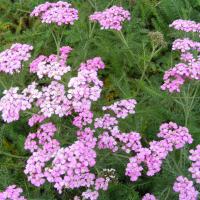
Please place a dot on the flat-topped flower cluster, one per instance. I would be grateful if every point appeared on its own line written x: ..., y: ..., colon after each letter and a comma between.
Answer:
x: 60, y: 13
x: 111, y: 18
x: 185, y: 189
x: 53, y: 66
x: 12, y: 192
x: 11, y: 59
x: 173, y: 137
x: 189, y: 67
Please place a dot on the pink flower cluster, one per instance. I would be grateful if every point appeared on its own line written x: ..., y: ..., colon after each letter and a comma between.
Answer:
x: 195, y: 167
x: 12, y: 102
x: 122, y: 108
x: 60, y: 13
x: 185, y: 45
x: 174, y: 136
x: 53, y: 100
x: 68, y: 167
x: 111, y: 18
x: 42, y: 138
x: 105, y: 141
x: 36, y: 119
x: 130, y: 141
x: 149, y: 196
x: 186, y: 25
x: 185, y: 189
x: 111, y: 137
x: 11, y: 59
x: 53, y: 66
x: 43, y: 147
x: 99, y: 184
x: 189, y: 67
x: 12, y: 193
x: 86, y: 136
x: 105, y: 122
x: 86, y: 87
x: 89, y: 194
x: 83, y: 119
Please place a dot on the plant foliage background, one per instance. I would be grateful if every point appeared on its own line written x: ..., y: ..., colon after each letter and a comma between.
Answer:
x: 132, y: 71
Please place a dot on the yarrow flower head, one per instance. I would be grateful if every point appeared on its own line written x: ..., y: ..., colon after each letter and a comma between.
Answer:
x: 71, y: 164
x: 173, y: 136
x: 195, y: 167
x: 43, y: 147
x: 186, y: 25
x: 53, y: 100
x: 90, y: 195
x: 11, y: 59
x: 122, y: 108
x: 176, y: 135
x: 12, y: 192
x: 86, y: 87
x: 36, y: 119
x: 60, y: 13
x: 41, y: 138
x: 53, y: 66
x: 105, y: 122
x: 185, y: 188
x: 105, y: 141
x: 111, y: 137
x: 189, y: 67
x: 149, y: 196
x: 111, y: 18
x: 12, y: 103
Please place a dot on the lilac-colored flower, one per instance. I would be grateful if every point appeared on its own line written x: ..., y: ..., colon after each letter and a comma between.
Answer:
x: 12, y: 192
x: 149, y: 196
x: 174, y: 136
x: 105, y: 122
x: 105, y: 141
x: 35, y: 119
x: 185, y: 25
x: 111, y: 18
x: 185, y: 188
x: 195, y: 166
x: 90, y: 195
x: 84, y: 118
x: 60, y: 13
x: 70, y: 167
x: 189, y: 67
x: 86, y: 87
x: 54, y: 101
x: 12, y: 103
x: 122, y: 108
x: 53, y: 66
x: 11, y: 59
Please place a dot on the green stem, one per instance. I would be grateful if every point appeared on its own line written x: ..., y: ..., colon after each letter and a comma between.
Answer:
x: 167, y: 194
x: 91, y: 30
x: 145, y: 64
x: 2, y: 83
x: 109, y: 4
x: 11, y: 155
x: 122, y: 156
x: 57, y: 40
x: 93, y: 4
x: 123, y: 39
x: 178, y: 169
